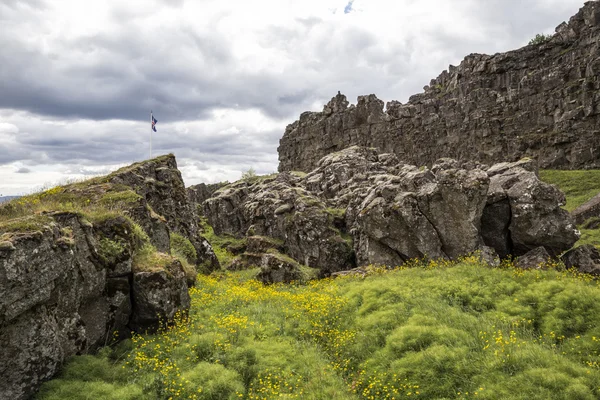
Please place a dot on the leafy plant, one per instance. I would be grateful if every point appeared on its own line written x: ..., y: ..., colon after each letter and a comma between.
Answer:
x: 540, y: 38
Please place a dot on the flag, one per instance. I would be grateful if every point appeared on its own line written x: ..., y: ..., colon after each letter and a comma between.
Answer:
x: 154, y: 121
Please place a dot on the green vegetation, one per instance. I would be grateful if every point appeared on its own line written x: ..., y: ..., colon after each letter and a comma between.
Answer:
x: 249, y: 175
x: 540, y: 38
x: 579, y: 186
x: 31, y: 223
x: 148, y: 259
x: 181, y: 247
x: 221, y: 244
x: 111, y: 250
x: 437, y: 330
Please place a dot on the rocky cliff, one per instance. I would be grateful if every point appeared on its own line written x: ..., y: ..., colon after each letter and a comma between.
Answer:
x: 84, y: 264
x: 358, y: 207
x: 541, y: 101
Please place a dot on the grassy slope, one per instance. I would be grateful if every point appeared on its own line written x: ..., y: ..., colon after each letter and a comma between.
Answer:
x: 465, y: 331
x: 433, y: 331
x: 579, y: 187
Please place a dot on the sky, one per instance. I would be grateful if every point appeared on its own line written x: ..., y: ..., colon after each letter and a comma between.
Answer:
x: 223, y: 78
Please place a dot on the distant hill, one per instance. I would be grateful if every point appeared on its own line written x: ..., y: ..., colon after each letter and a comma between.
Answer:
x: 4, y: 199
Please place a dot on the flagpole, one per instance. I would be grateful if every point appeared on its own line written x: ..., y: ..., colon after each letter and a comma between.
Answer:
x: 150, y: 133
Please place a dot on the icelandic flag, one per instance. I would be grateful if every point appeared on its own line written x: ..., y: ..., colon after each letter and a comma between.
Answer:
x: 154, y: 121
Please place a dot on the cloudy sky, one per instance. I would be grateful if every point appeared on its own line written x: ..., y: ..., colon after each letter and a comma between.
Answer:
x: 78, y: 78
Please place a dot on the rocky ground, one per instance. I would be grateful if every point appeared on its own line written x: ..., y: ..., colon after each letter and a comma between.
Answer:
x: 85, y: 264
x: 359, y: 207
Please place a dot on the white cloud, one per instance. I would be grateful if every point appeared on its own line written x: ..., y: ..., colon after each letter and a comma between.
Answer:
x: 223, y: 78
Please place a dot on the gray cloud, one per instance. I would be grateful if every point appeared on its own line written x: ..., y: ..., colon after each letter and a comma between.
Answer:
x: 80, y: 97
x: 23, y: 170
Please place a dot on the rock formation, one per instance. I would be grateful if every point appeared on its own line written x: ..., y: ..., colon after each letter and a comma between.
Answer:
x: 589, y: 209
x: 586, y: 258
x: 541, y: 101
x: 72, y: 281
x: 358, y: 207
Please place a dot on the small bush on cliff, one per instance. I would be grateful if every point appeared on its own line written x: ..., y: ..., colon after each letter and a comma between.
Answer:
x: 540, y: 38
x: 249, y: 175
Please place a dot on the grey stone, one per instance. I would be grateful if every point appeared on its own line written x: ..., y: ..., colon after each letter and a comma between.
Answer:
x: 586, y: 258
x: 539, y: 101
x: 533, y: 259
x: 276, y: 268
x: 589, y: 209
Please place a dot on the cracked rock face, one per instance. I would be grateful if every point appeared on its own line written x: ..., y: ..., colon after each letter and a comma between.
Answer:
x: 540, y: 101
x: 392, y: 212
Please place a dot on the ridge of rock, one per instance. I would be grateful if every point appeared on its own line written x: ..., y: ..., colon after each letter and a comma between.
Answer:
x: 75, y: 279
x: 541, y: 101
x: 358, y: 207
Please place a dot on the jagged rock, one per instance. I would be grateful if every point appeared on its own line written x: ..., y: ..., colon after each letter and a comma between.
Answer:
x: 159, y: 183
x: 533, y: 259
x: 589, y: 209
x: 393, y: 212
x: 586, y: 258
x: 67, y: 283
x: 522, y: 213
x: 540, y: 101
x: 276, y: 268
x: 56, y: 302
x: 305, y: 228
x: 158, y: 296
x: 199, y: 193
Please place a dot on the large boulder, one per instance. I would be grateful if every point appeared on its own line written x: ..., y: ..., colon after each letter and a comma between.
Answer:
x: 279, y: 207
x: 523, y: 212
x: 419, y: 213
x: 586, y: 258
x: 533, y: 259
x: 158, y: 295
x: 277, y: 268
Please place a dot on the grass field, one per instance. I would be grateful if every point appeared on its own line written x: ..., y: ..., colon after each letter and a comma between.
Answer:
x: 433, y: 331
x: 429, y: 332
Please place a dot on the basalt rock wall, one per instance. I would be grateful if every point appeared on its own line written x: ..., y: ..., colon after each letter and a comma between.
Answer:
x: 73, y: 281
x: 541, y: 101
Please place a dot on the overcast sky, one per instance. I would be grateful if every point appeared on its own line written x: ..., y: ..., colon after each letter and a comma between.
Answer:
x: 78, y: 78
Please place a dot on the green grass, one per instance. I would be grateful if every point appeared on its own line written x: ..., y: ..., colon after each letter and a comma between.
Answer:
x: 579, y: 186
x: 435, y: 331
x: 220, y: 244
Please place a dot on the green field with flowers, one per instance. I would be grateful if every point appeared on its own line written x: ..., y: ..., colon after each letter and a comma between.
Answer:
x: 429, y: 331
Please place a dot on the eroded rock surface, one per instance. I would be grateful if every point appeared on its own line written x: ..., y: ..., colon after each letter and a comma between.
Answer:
x: 389, y: 212
x: 72, y: 282
x: 586, y: 258
x: 541, y: 101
